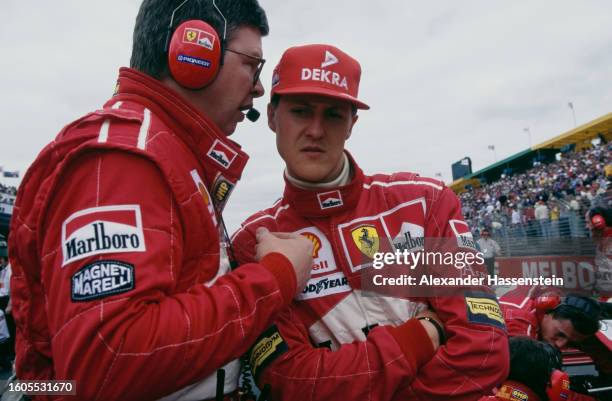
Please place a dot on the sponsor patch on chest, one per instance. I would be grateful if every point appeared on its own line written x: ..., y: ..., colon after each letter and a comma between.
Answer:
x: 323, y: 260
x: 102, y: 279
x: 222, y: 154
x: 328, y: 200
x: 323, y: 286
x: 102, y: 230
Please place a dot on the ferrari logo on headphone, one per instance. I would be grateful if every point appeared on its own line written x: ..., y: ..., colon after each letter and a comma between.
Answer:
x: 366, y: 239
x: 190, y: 35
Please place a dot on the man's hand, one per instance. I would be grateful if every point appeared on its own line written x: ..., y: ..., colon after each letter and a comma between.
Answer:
x: 297, y: 248
x: 430, y: 328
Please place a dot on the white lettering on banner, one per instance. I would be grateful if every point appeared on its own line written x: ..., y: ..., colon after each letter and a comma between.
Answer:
x: 317, y: 74
x: 578, y: 272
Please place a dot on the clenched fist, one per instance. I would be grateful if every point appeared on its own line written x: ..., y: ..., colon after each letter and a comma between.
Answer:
x: 297, y: 248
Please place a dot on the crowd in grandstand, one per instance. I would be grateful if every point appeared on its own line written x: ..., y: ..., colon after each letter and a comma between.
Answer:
x: 7, y: 194
x: 548, y: 200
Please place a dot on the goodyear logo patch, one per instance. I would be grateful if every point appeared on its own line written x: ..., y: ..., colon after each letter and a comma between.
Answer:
x: 483, y: 308
x: 268, y: 347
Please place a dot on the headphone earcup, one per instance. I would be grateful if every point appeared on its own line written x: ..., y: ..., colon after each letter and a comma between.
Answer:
x: 547, y: 302
x: 194, y: 54
x: 559, y: 387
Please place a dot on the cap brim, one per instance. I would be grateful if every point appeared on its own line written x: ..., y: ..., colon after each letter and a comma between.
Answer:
x: 309, y: 90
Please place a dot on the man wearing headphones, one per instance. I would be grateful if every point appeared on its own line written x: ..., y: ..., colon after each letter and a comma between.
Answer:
x: 120, y: 278
x: 571, y: 321
x: 339, y: 341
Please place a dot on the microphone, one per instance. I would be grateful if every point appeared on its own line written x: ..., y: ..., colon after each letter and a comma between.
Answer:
x: 252, y: 115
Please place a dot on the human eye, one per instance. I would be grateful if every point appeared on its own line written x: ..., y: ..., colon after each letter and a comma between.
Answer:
x: 335, y: 114
x: 300, y: 111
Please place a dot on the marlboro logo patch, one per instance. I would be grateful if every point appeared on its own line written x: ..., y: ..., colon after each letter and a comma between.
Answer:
x: 102, y: 230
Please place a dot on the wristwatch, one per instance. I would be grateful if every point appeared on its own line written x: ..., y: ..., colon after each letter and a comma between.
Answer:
x: 438, y: 327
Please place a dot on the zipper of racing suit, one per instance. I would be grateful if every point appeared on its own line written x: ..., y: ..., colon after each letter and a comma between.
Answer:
x: 332, y: 228
x: 245, y: 391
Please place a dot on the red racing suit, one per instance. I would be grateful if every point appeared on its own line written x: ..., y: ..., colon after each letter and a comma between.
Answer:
x: 117, y: 281
x: 327, y: 346
x: 522, y: 319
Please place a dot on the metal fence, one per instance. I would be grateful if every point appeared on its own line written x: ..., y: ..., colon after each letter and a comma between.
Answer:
x: 567, y: 235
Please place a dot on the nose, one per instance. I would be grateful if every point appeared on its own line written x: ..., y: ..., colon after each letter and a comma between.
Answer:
x: 258, y: 89
x: 315, y: 128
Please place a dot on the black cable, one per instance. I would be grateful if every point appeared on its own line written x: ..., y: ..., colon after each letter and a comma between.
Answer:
x: 265, y: 393
x: 219, y: 394
x: 246, y: 387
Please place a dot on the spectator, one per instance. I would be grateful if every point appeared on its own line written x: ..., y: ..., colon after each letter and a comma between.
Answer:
x: 7, y: 348
x: 490, y: 249
x: 542, y: 216
x: 564, y: 180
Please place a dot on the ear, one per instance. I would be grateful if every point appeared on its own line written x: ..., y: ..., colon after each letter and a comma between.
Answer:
x: 271, y: 117
x: 350, y: 131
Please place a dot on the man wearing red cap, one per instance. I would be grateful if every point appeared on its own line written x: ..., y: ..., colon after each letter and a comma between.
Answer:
x: 336, y: 342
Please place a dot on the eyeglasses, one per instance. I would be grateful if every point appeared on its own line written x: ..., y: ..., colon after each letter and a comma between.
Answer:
x: 260, y: 63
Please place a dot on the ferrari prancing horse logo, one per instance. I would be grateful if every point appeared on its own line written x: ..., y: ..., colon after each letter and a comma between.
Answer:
x: 366, y: 239
x: 190, y: 35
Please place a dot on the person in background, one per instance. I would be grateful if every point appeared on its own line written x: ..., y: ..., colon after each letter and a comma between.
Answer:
x: 7, y: 347
x: 570, y: 321
x: 490, y: 249
x: 535, y: 373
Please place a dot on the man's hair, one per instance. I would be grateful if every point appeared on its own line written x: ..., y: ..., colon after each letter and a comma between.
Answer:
x: 148, y: 51
x: 276, y: 98
x: 584, y: 319
x: 532, y: 362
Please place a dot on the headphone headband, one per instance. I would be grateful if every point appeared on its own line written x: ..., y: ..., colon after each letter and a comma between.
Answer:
x: 171, y: 24
x: 581, y: 304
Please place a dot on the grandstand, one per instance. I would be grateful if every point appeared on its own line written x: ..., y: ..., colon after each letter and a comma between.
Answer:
x: 534, y: 202
x: 7, y: 200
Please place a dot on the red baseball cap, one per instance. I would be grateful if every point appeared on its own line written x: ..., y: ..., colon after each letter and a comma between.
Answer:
x: 319, y: 70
